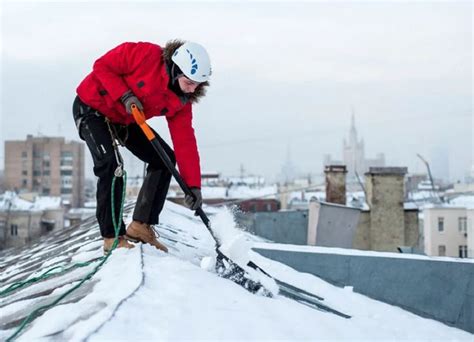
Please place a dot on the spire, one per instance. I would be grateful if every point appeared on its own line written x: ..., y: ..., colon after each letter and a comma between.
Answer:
x: 353, y: 118
x: 353, y: 131
x: 288, y: 172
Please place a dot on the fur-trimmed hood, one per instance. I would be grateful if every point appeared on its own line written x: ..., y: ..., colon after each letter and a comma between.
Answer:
x: 168, y: 51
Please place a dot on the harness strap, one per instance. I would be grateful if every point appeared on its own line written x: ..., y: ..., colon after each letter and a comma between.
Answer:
x: 116, y: 141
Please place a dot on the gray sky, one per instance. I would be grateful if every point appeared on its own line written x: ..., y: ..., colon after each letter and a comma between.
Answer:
x: 285, y: 74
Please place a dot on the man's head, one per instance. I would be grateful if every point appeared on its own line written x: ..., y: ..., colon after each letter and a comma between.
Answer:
x: 187, y: 86
x: 194, y: 63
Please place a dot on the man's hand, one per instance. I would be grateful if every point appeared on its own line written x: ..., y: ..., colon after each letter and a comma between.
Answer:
x: 128, y: 99
x: 193, y: 202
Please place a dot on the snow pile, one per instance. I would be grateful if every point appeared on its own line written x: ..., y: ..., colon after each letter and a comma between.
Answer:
x: 235, y: 244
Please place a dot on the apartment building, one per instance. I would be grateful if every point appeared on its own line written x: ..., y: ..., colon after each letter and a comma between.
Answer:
x: 470, y: 233
x: 446, y: 231
x: 48, y: 166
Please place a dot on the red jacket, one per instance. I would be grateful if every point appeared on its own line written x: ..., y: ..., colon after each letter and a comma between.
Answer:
x: 141, y: 68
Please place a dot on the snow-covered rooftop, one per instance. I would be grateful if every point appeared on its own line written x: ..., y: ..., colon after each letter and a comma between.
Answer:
x: 11, y: 201
x: 239, y: 192
x: 463, y: 201
x: 145, y: 294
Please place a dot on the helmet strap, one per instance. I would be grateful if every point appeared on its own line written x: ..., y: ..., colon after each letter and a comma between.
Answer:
x: 175, y: 73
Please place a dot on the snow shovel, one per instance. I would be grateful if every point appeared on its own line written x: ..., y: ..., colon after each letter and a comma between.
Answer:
x: 225, y: 267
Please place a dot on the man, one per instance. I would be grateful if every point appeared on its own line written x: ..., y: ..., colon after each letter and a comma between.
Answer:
x: 160, y: 82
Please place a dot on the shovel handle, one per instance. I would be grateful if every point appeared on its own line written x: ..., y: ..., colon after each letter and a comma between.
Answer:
x: 140, y: 119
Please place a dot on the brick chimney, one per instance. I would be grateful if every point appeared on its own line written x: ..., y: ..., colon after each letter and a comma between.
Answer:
x: 336, y: 184
x: 385, y: 194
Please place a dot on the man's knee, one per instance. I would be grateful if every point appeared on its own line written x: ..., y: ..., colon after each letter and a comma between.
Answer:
x: 106, y: 166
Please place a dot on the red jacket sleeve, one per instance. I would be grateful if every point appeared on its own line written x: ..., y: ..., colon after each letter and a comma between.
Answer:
x: 185, y: 147
x: 119, y: 62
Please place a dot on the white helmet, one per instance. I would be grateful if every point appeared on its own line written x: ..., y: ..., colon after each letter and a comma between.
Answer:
x: 193, y: 61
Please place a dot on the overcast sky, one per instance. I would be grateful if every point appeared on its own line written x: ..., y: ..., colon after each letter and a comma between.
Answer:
x: 285, y: 76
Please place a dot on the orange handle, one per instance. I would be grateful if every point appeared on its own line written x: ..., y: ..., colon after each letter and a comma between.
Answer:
x: 140, y: 119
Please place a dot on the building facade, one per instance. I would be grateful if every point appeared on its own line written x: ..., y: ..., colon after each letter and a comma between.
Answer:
x: 23, y: 220
x: 48, y: 166
x: 446, y: 231
x: 470, y: 233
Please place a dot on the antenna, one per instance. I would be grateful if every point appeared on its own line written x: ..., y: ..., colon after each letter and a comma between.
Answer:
x: 431, y: 177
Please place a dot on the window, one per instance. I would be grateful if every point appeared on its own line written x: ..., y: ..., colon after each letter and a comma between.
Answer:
x: 46, y: 173
x: 24, y: 173
x: 66, y: 172
x: 440, y: 224
x: 463, y: 251
x: 442, y: 250
x: 65, y: 191
x: 66, y: 182
x: 14, y: 230
x: 24, y: 183
x: 46, y: 163
x: 36, y: 173
x: 253, y: 207
x: 462, y: 224
x: 46, y: 191
x: 24, y: 154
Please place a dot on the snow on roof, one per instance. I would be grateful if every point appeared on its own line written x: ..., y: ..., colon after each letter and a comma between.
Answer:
x: 11, y: 201
x: 238, y: 192
x: 209, y: 192
x: 248, y: 192
x: 143, y: 293
x: 421, y: 195
x: 463, y: 201
x: 345, y: 251
x: 47, y: 202
x: 410, y: 206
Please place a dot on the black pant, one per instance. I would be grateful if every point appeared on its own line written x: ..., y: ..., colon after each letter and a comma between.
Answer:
x: 93, y: 129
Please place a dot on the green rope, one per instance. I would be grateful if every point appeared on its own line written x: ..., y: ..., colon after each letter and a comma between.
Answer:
x: 44, y: 308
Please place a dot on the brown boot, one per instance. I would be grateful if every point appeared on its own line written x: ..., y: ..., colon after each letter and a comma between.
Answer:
x: 122, y: 243
x: 143, y: 232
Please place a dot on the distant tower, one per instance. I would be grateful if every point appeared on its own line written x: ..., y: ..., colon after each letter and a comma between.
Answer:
x: 288, y: 171
x: 242, y: 172
x: 353, y: 152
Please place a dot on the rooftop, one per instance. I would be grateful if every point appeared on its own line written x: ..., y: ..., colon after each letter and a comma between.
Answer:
x: 145, y: 294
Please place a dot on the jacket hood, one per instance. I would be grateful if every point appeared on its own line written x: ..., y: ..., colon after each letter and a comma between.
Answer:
x: 168, y: 51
